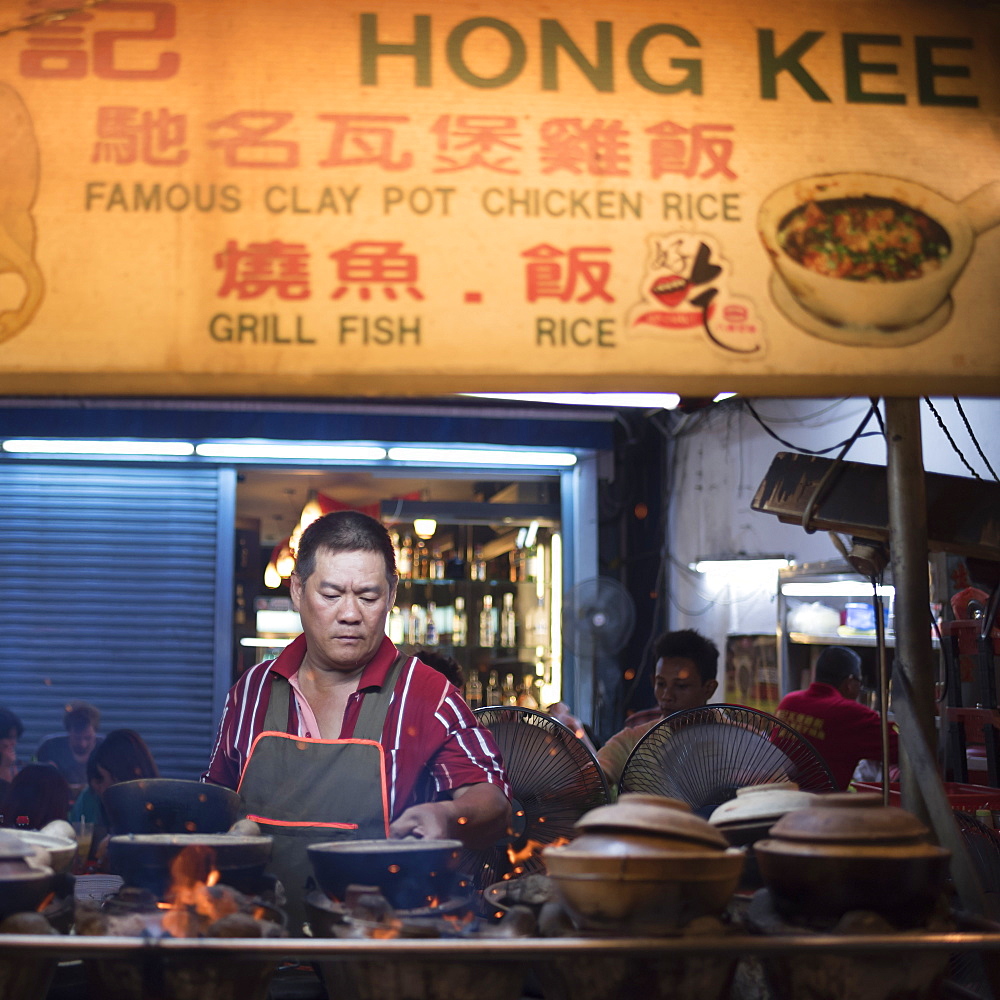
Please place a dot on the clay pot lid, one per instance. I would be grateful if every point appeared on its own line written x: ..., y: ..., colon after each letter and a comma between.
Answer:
x: 757, y: 803
x: 12, y: 846
x: 657, y: 814
x: 849, y: 817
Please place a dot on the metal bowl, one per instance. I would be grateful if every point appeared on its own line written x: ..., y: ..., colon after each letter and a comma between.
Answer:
x: 171, y: 805
x: 24, y: 891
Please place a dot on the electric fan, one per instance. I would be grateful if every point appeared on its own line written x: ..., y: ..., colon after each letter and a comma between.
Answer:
x: 702, y: 755
x: 554, y: 780
x: 597, y: 617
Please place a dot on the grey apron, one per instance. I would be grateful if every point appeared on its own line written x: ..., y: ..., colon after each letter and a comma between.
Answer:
x: 307, y: 791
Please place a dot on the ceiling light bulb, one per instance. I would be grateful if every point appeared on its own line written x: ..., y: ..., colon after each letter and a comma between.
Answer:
x: 424, y: 527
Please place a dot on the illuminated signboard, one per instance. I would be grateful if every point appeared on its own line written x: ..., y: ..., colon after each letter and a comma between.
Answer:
x: 305, y: 197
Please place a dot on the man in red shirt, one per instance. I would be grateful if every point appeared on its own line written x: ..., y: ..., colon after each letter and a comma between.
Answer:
x: 343, y: 737
x: 827, y: 714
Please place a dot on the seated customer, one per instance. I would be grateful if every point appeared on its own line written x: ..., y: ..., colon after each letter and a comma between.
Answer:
x: 121, y: 756
x: 828, y: 715
x: 38, y: 795
x: 686, y: 668
x: 11, y: 730
x: 71, y: 752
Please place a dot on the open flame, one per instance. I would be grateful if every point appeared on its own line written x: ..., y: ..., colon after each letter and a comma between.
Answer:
x: 194, y: 898
x: 531, y: 849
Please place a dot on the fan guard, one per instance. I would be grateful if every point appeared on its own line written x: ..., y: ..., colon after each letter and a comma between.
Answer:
x: 702, y: 755
x: 598, y: 617
x: 554, y: 780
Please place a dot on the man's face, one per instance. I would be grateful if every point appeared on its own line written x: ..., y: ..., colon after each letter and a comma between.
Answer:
x: 343, y: 606
x: 8, y: 748
x: 677, y: 685
x: 82, y: 740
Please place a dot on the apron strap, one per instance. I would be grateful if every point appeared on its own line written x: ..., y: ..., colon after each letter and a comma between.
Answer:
x: 371, y: 718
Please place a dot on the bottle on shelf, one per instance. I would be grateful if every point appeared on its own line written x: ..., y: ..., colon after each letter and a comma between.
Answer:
x: 437, y: 565
x: 537, y: 624
x: 430, y: 628
x: 487, y: 625
x: 492, y: 695
x: 405, y: 565
x: 459, y: 623
x: 508, y: 622
x: 528, y: 696
x: 415, y: 626
x: 397, y: 626
x: 421, y: 562
x: 479, y: 564
x: 508, y: 693
x: 474, y: 690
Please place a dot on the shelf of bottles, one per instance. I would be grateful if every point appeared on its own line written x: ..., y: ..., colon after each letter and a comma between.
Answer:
x: 495, y: 613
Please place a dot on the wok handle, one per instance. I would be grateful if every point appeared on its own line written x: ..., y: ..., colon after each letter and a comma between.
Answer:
x: 982, y: 207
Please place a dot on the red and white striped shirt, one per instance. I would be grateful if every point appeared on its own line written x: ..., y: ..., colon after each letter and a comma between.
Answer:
x: 433, y: 743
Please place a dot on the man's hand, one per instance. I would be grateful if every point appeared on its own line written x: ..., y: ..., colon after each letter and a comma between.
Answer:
x: 477, y: 815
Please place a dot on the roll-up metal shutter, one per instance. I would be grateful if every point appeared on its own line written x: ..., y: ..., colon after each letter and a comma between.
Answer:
x: 115, y: 587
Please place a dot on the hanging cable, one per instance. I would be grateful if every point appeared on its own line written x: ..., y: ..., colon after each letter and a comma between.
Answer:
x: 798, y: 448
x: 968, y: 427
x: 951, y: 440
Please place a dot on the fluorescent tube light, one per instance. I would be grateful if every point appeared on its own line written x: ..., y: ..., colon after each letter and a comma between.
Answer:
x: 737, y: 565
x: 307, y: 452
x: 835, y: 588
x: 470, y: 456
x: 28, y: 446
x: 643, y: 400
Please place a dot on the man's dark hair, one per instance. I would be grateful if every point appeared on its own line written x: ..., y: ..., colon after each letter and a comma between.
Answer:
x: 690, y: 645
x: 344, y: 531
x: 835, y: 664
x: 10, y: 723
x: 80, y: 714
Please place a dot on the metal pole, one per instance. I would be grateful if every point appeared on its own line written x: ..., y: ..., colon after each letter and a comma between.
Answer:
x: 908, y: 552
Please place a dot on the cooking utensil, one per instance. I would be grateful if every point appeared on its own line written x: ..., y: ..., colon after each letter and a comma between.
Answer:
x: 644, y: 895
x: 171, y: 805
x: 143, y: 860
x: 409, y: 873
x: 651, y: 817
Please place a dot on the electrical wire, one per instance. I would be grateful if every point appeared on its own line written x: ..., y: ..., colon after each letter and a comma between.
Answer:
x: 975, y: 441
x: 798, y: 448
x: 951, y: 440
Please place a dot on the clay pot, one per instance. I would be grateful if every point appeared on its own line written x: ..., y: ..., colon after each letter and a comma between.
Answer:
x: 649, y: 820
x: 756, y: 808
x: 849, y: 852
x: 643, y: 895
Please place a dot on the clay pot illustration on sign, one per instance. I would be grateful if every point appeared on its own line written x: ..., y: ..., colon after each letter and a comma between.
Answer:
x: 868, y: 259
x: 18, y: 188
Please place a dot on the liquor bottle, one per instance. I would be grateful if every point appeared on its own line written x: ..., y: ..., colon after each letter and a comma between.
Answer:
x: 397, y: 627
x: 405, y: 565
x: 508, y: 622
x: 492, y: 693
x: 508, y: 693
x: 437, y: 565
x: 431, y: 629
x: 537, y: 624
x: 459, y: 624
x: 415, y: 626
x: 421, y: 562
x: 527, y: 697
x: 474, y: 691
x: 479, y: 564
x: 487, y: 628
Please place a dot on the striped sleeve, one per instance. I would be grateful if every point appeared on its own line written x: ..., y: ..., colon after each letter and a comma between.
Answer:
x: 242, y: 719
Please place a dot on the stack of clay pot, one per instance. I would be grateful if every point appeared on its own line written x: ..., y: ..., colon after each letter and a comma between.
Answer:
x: 644, y: 865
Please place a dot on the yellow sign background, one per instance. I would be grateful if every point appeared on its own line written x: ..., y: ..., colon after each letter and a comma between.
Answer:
x: 210, y: 197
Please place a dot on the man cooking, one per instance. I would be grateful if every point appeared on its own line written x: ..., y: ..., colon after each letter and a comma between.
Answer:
x: 341, y: 737
x: 684, y: 677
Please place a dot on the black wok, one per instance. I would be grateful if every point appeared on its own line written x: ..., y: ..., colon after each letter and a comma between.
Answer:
x: 144, y: 860
x: 170, y: 805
